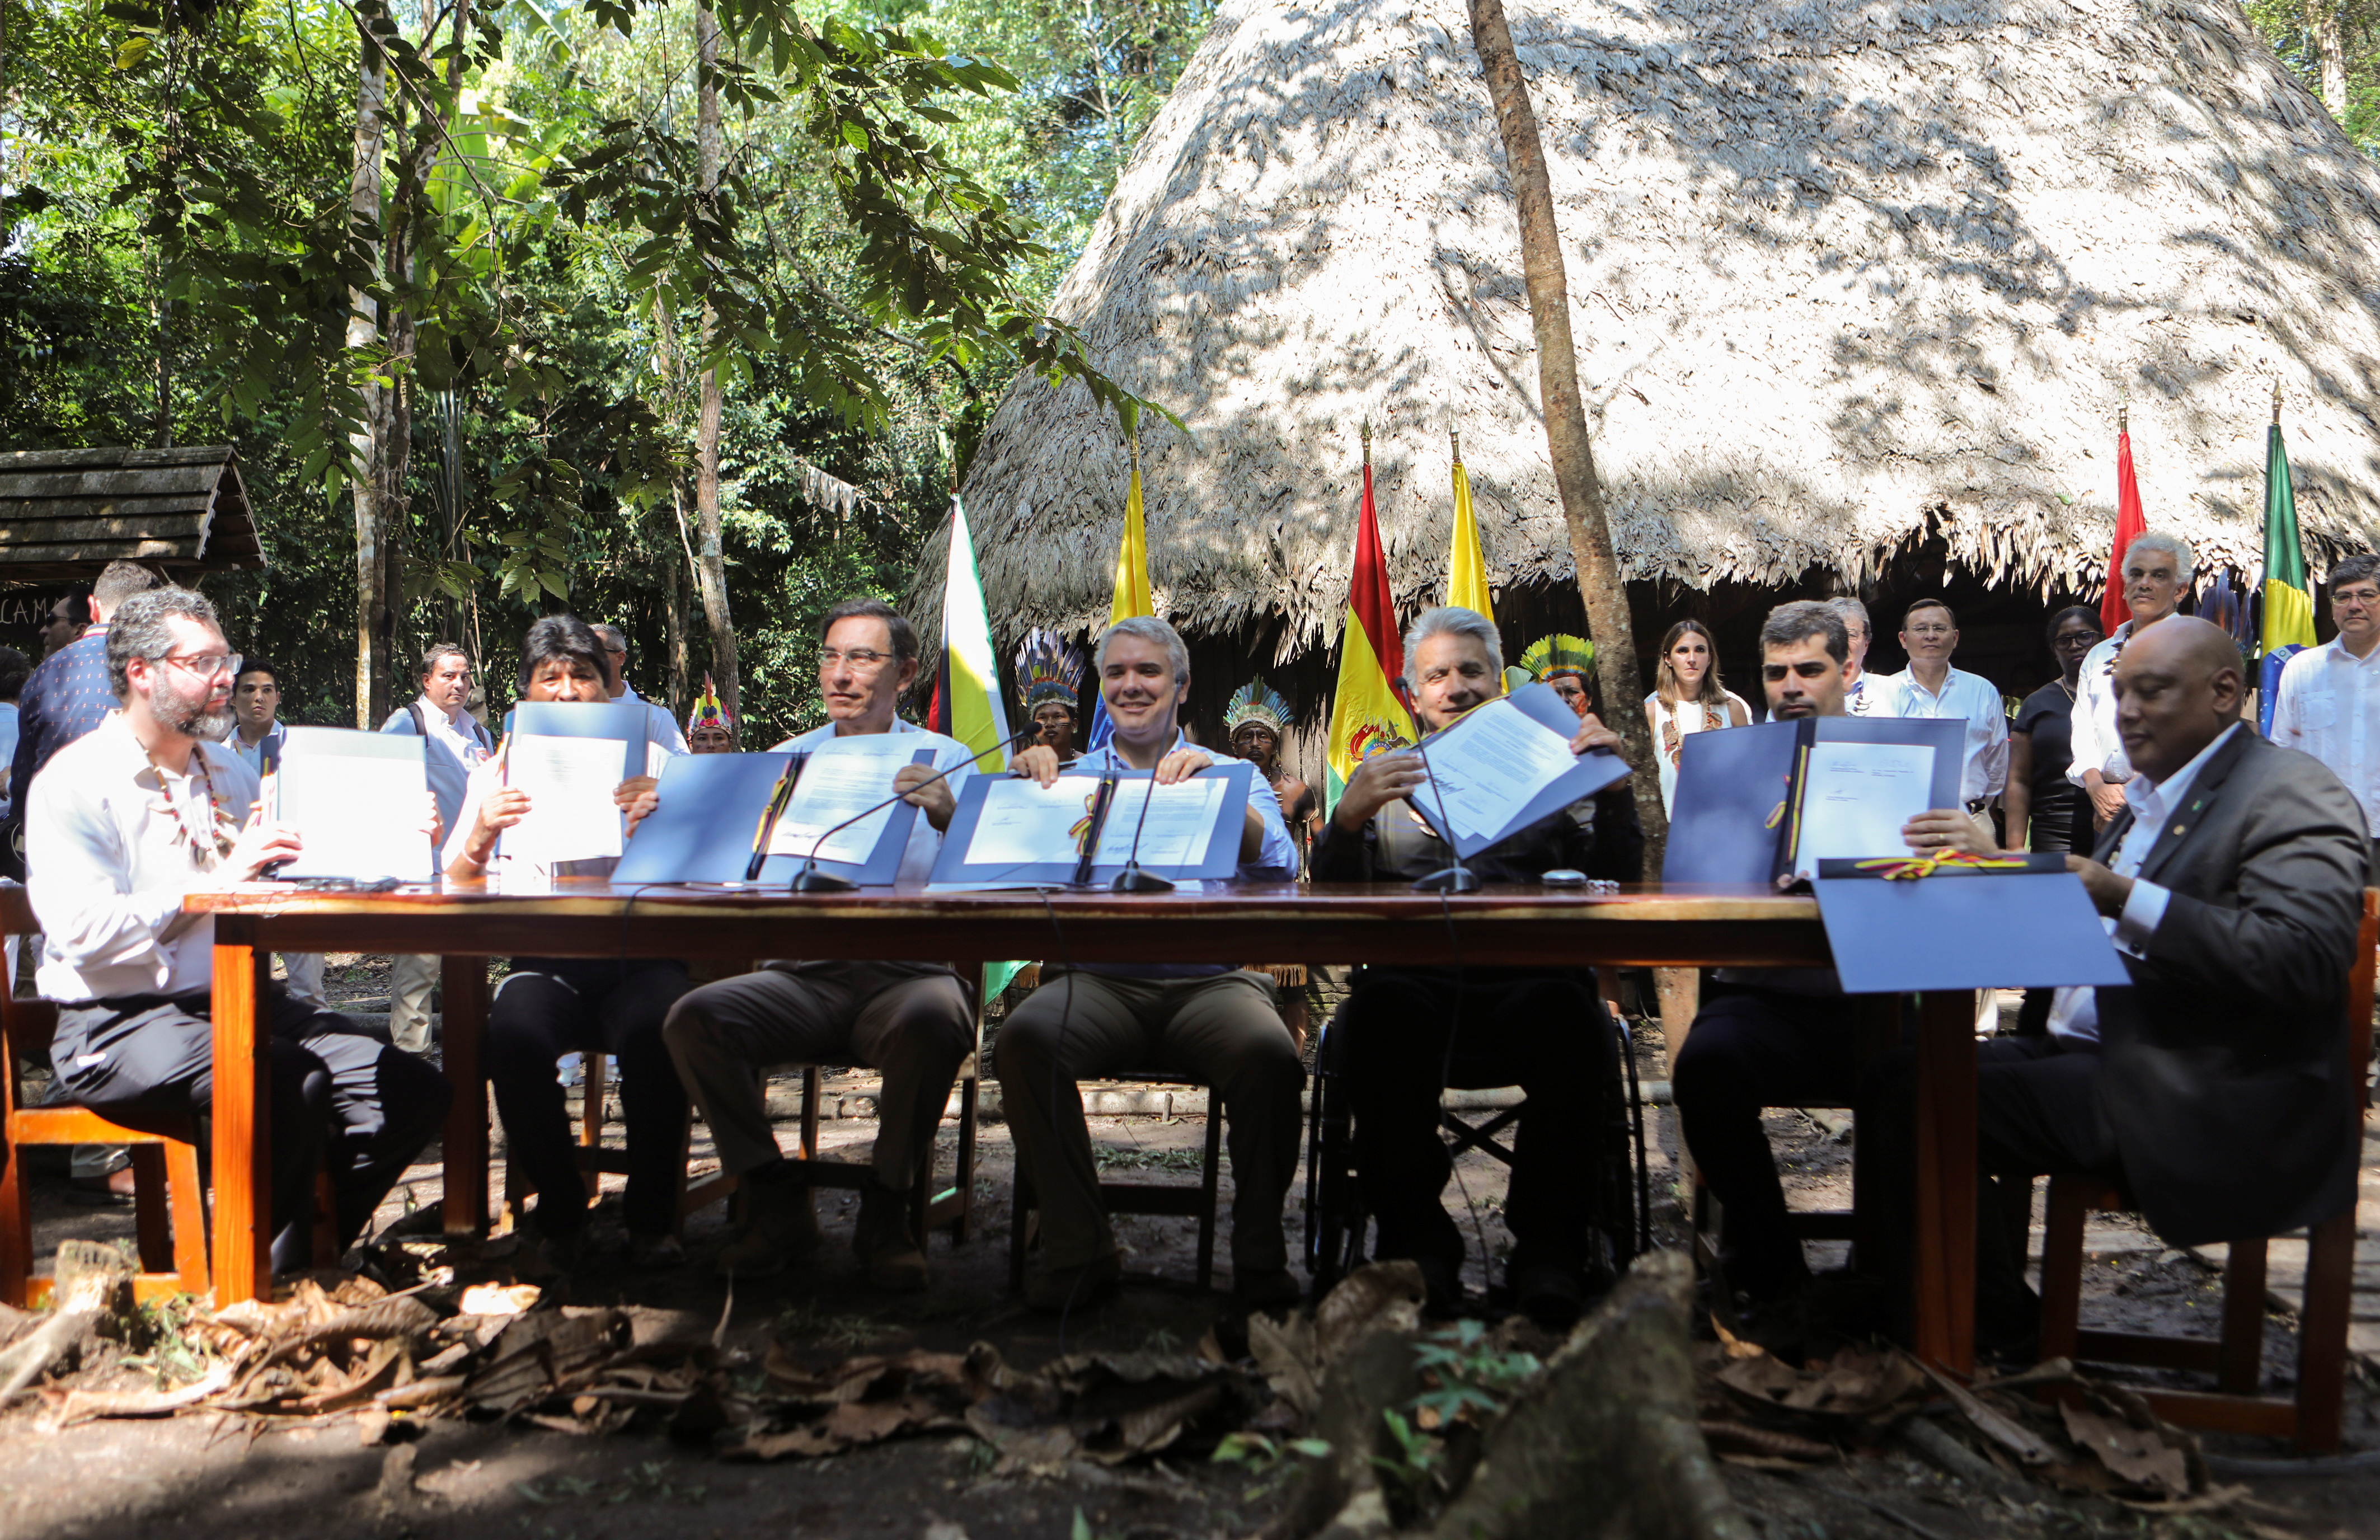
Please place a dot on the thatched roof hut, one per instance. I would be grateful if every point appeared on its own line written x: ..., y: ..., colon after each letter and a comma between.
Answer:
x: 1847, y: 279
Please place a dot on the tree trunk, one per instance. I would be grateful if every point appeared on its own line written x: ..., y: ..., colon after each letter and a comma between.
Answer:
x: 712, y: 563
x: 682, y: 686
x: 363, y: 335
x: 1565, y: 416
x: 2324, y: 31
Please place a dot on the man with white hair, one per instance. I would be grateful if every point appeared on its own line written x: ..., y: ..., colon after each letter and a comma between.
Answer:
x: 1212, y: 1022
x: 1864, y: 695
x: 661, y: 731
x: 2156, y: 571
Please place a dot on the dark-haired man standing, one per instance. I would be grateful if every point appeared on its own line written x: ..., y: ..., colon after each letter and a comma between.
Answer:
x: 908, y: 1020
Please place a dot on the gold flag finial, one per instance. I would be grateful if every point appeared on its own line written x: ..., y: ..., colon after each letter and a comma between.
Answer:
x: 2276, y: 401
x: 1367, y: 440
x: 1456, y: 433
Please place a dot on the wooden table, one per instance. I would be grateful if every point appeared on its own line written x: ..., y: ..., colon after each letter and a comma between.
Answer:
x: 1500, y: 925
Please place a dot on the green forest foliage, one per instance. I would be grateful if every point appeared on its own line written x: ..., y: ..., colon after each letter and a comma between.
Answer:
x: 174, y: 189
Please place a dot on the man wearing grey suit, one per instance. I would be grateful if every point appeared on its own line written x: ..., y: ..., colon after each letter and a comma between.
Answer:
x: 2216, y: 1086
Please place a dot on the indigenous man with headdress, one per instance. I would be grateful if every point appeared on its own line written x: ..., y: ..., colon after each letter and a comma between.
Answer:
x: 708, y: 728
x: 1567, y: 663
x: 1050, y: 676
x: 1254, y: 721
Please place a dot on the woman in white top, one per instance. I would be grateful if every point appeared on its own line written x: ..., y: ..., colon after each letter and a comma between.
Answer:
x: 1689, y: 698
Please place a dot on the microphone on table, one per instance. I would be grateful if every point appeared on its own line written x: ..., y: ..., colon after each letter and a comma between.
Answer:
x: 1101, y: 800
x: 1132, y: 879
x: 809, y: 879
x: 1458, y: 878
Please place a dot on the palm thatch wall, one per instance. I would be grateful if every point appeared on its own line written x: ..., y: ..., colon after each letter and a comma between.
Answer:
x: 1846, y: 275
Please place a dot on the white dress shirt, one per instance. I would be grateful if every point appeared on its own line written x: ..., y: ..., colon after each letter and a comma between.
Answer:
x: 1862, y: 698
x: 925, y: 840
x: 2096, y: 743
x: 2329, y: 705
x: 108, y: 862
x: 2075, y: 1016
x: 1963, y: 696
x: 663, y: 732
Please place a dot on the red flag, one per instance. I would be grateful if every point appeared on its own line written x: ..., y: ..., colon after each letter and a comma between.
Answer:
x: 2129, y: 523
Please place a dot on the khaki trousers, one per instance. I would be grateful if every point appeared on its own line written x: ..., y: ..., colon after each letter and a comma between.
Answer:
x: 912, y: 1027
x: 1224, y: 1031
x: 410, y: 981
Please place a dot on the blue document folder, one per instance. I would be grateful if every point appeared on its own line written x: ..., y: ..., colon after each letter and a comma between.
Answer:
x: 712, y: 813
x: 1107, y: 818
x: 624, y: 719
x: 1588, y: 774
x: 1732, y: 817
x: 1983, y: 930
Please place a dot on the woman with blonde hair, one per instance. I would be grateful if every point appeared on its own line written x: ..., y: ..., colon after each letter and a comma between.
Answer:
x: 1688, y: 698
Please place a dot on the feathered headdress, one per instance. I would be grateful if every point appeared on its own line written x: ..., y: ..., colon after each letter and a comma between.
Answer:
x: 706, y: 710
x: 1558, y: 653
x: 1048, y: 670
x: 1253, y: 702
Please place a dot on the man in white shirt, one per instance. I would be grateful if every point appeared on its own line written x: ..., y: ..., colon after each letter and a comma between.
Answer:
x: 1863, y: 693
x: 911, y: 1021
x: 125, y: 821
x: 453, y: 743
x: 256, y: 736
x: 663, y: 729
x: 2329, y: 703
x: 2157, y: 570
x: 1930, y: 688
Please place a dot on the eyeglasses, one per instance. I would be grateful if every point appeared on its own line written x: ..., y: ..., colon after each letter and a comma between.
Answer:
x: 864, y: 659
x: 206, y: 665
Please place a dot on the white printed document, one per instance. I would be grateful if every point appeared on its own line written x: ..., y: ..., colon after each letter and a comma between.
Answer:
x: 360, y: 801
x: 1174, y: 823
x: 570, y: 783
x: 1855, y: 797
x: 842, y: 779
x: 1025, y: 824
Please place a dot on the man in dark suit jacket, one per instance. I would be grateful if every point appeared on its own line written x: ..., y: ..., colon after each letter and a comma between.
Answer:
x: 2215, y: 1087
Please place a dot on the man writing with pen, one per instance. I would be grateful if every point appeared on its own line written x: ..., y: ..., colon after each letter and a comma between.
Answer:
x: 908, y: 1020
x: 1215, y: 1024
x: 1407, y: 1032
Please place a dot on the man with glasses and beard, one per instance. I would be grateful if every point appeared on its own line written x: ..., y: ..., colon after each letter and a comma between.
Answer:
x: 146, y: 808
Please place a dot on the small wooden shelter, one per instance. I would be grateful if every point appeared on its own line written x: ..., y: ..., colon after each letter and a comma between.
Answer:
x: 65, y: 514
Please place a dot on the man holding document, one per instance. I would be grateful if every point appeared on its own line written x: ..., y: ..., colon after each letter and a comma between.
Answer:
x: 549, y: 1006
x: 1783, y: 1036
x: 147, y: 808
x: 1405, y: 1032
x: 1214, y: 1023
x: 909, y: 1021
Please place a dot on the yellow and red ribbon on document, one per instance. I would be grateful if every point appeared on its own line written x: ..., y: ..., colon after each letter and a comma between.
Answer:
x: 1895, y: 869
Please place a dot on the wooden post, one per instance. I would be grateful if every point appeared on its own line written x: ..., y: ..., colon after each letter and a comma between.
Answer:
x: 465, y: 1019
x: 243, y: 1117
x: 1946, y: 1180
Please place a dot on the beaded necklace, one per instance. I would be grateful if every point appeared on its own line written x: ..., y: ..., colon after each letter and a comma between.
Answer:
x: 213, y: 842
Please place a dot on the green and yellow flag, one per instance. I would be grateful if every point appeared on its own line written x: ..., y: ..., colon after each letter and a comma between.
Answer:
x: 2289, y: 598
x: 1368, y: 716
x: 1466, y: 566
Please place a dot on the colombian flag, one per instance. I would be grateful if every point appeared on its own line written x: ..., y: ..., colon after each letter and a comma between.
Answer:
x: 2289, y: 598
x: 2130, y: 521
x: 967, y: 703
x: 1132, y: 593
x: 1466, y: 566
x: 1368, y: 714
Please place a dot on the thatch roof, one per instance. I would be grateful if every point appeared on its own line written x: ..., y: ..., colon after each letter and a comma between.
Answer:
x: 67, y: 513
x: 1841, y: 274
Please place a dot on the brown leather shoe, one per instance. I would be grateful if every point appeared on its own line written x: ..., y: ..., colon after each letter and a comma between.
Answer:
x: 887, y: 1247
x: 780, y: 1228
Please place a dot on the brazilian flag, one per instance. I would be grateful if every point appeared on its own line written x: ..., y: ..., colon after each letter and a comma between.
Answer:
x: 2289, y: 597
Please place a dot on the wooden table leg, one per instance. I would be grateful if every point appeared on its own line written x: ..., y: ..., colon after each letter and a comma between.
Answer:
x: 463, y: 1020
x: 243, y: 1119
x: 1946, y: 1181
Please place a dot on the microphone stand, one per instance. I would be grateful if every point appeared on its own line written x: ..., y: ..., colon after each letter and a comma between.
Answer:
x: 1132, y: 879
x: 783, y: 795
x: 809, y: 879
x: 1456, y: 878
x: 1101, y: 800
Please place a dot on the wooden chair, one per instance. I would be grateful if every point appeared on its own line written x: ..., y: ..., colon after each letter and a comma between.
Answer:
x: 2312, y: 1418
x: 1159, y: 1198
x: 170, y: 1210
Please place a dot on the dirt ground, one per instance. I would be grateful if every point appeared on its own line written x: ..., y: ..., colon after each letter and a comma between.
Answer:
x: 214, y: 1474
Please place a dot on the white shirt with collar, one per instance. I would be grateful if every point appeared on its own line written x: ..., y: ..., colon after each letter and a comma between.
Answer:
x: 663, y: 732
x: 2329, y: 705
x: 1964, y: 697
x: 2075, y: 1017
x: 109, y: 863
x: 2097, y: 745
x: 1864, y: 698
x: 925, y: 840
x: 254, y: 755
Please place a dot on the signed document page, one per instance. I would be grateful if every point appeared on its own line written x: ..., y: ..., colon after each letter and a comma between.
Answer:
x: 1025, y: 824
x: 570, y: 783
x: 1180, y: 822
x: 1488, y: 767
x: 843, y: 778
x: 1856, y: 797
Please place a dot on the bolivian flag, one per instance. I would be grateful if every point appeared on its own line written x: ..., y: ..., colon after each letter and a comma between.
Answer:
x: 967, y: 702
x: 1466, y: 566
x: 2289, y: 598
x: 1369, y: 715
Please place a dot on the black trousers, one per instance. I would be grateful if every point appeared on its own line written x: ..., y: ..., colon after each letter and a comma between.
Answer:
x: 2037, y: 1110
x: 342, y: 1095
x: 1752, y: 1049
x: 1546, y: 1032
x: 547, y: 1007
